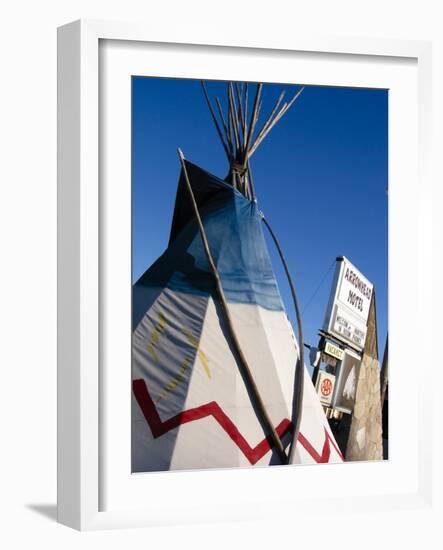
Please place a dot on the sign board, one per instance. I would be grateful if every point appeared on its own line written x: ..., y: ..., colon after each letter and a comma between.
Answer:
x: 325, y: 387
x: 348, y: 308
x: 328, y: 359
x: 346, y: 382
x: 335, y: 351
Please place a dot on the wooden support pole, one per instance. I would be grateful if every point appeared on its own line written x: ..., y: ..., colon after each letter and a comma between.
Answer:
x: 240, y: 113
x: 234, y: 117
x: 270, y: 118
x: 225, y: 127
x: 214, y: 118
x: 277, y: 117
x: 253, y: 121
x: 316, y: 370
x: 251, y: 185
x: 245, y: 112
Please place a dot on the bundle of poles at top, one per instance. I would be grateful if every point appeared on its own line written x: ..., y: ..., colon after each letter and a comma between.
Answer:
x: 238, y: 129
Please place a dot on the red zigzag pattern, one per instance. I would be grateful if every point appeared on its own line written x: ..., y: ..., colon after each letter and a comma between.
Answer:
x: 253, y: 454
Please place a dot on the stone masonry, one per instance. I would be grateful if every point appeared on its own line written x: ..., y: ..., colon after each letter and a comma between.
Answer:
x: 365, y: 436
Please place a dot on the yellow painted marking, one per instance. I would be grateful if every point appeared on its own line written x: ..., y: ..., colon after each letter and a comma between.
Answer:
x: 155, y: 337
x: 201, y: 354
x: 151, y: 351
x: 174, y: 381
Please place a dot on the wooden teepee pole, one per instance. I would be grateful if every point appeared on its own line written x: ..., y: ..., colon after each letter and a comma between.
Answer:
x: 214, y: 118
x: 272, y: 121
x: 251, y: 386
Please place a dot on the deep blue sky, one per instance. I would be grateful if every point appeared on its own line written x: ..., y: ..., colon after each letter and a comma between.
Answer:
x: 321, y: 178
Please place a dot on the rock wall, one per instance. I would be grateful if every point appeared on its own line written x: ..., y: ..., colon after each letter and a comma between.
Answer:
x: 365, y: 436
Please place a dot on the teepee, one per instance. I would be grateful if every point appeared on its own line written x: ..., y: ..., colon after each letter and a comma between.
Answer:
x: 217, y: 373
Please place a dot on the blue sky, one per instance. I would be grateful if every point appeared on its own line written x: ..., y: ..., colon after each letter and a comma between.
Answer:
x: 321, y: 178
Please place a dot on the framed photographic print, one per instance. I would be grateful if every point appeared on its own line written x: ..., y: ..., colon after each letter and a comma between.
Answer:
x: 228, y: 217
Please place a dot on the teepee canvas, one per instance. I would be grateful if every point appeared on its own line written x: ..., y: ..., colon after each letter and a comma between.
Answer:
x: 198, y: 318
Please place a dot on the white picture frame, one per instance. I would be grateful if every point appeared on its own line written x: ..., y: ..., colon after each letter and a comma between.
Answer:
x: 81, y: 412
